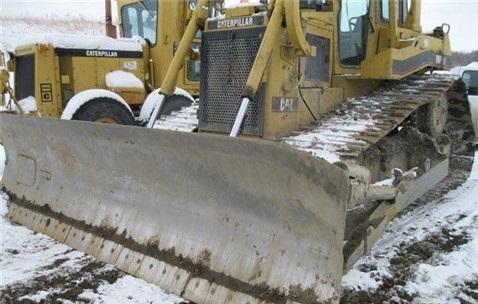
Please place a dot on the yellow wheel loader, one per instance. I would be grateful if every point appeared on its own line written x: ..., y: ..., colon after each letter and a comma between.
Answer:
x: 318, y: 122
x: 104, y: 79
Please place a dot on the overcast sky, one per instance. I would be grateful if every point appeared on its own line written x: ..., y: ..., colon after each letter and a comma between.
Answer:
x: 462, y: 15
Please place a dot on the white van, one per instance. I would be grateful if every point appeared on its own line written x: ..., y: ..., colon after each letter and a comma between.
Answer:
x: 469, y: 74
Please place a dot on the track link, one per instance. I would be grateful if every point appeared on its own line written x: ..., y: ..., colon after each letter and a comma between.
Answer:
x: 346, y: 132
x: 184, y: 120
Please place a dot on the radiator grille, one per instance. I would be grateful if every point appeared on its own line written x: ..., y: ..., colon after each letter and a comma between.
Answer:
x: 24, y: 76
x: 226, y: 61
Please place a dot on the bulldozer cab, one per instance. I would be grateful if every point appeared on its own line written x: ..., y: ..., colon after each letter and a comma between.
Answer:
x: 330, y: 50
x: 385, y: 39
x: 358, y: 24
x: 353, y: 32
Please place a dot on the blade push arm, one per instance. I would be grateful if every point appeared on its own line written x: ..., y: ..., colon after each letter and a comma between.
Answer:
x: 168, y: 85
x: 289, y: 9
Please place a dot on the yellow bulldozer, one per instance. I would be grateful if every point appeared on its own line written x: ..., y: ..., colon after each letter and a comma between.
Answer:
x: 318, y: 122
x: 104, y: 79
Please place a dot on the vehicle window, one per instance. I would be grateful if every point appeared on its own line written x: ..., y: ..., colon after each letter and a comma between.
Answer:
x: 212, y: 9
x: 140, y: 19
x: 385, y: 4
x: 354, y: 24
x: 404, y: 6
x: 350, y: 10
x: 471, y: 81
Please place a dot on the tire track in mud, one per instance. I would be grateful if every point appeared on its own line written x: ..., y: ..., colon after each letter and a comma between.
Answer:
x: 37, y: 269
x: 60, y: 281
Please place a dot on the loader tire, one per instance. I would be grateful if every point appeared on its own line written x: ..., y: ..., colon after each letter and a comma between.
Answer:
x: 104, y: 110
x: 175, y: 103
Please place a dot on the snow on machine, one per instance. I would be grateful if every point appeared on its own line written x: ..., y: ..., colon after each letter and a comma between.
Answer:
x: 105, y: 78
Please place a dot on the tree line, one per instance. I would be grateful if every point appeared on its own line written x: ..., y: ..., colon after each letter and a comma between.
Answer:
x: 461, y: 58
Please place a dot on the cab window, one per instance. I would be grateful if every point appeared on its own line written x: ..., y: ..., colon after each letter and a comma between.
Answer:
x: 354, y: 24
x: 140, y: 19
x: 193, y: 66
x: 403, y: 7
x: 471, y: 82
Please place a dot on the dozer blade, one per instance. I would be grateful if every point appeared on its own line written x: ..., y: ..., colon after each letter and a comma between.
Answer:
x: 211, y: 218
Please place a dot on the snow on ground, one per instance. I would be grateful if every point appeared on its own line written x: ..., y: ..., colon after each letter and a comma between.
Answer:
x: 12, y: 30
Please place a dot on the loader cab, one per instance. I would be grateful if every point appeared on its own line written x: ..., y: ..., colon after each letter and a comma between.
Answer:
x: 161, y: 24
x: 140, y: 18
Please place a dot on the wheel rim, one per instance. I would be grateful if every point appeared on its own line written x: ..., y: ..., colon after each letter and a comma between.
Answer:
x: 108, y: 120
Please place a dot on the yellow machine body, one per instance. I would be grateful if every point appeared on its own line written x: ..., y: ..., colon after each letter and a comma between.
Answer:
x: 347, y: 49
x: 54, y: 68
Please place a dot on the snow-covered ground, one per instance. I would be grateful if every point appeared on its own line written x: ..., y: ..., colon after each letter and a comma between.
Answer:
x: 442, y: 235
